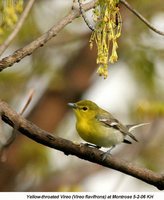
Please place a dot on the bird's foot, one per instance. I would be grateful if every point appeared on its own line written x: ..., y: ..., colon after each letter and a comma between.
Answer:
x: 108, y: 153
x: 105, y: 155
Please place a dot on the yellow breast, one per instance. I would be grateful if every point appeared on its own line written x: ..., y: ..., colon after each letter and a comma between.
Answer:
x: 98, y: 134
x: 84, y: 130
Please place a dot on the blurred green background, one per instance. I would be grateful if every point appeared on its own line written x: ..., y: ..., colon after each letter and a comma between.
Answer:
x: 63, y: 71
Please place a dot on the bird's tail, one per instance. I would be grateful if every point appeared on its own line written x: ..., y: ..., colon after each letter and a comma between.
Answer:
x: 134, y: 126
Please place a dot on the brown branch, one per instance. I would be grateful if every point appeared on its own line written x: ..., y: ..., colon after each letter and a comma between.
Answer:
x: 17, y: 27
x: 135, y: 12
x: 40, y: 41
x: 87, y: 153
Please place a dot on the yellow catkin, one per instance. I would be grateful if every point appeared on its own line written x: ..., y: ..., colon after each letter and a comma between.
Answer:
x: 10, y: 11
x: 107, y: 20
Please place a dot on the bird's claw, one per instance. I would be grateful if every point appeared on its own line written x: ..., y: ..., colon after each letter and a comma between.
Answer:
x: 105, y: 155
x: 108, y: 153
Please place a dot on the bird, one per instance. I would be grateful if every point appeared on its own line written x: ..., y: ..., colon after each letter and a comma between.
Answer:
x: 100, y: 128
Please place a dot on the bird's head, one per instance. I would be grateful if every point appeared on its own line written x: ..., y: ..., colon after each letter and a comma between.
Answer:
x: 84, y: 109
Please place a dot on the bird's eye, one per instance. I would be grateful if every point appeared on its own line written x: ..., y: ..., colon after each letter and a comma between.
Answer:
x: 85, y: 108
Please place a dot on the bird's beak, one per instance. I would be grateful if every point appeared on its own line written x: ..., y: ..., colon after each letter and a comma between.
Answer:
x: 72, y: 105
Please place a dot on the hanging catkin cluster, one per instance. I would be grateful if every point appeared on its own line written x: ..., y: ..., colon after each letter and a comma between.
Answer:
x: 9, y: 14
x: 108, y: 24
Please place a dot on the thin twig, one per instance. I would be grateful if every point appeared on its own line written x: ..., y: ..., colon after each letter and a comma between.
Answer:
x: 29, y: 98
x: 126, y: 4
x: 14, y: 132
x: 18, y: 26
x: 84, y: 17
x: 69, y: 148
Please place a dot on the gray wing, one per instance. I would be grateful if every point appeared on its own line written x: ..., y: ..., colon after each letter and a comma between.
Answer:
x: 115, y: 124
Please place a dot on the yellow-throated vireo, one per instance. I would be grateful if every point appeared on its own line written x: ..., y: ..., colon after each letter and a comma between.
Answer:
x: 99, y: 127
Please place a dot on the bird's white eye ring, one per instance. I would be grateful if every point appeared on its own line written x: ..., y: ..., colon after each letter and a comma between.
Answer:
x: 85, y: 108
